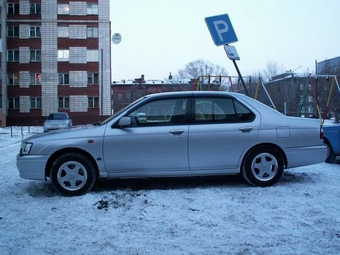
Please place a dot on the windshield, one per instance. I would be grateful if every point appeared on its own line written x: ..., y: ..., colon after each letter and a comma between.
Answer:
x: 57, y: 116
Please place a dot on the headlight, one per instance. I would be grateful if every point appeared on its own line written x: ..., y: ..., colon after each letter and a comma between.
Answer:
x: 25, y: 148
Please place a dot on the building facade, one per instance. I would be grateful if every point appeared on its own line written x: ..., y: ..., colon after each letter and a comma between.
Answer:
x: 3, y: 72
x: 306, y: 95
x: 124, y: 94
x: 329, y: 66
x: 57, y: 56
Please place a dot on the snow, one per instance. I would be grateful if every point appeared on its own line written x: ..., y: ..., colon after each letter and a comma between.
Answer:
x: 221, y: 215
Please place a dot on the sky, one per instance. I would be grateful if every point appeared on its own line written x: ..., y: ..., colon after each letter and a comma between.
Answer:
x: 159, y: 37
x: 299, y: 215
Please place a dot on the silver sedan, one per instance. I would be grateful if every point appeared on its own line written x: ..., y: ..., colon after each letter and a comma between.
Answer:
x: 173, y: 135
x: 57, y: 120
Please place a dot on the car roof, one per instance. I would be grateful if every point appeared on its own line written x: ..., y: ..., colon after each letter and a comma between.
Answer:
x: 193, y: 94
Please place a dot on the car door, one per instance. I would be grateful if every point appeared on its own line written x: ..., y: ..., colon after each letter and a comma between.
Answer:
x: 221, y: 130
x: 155, y: 144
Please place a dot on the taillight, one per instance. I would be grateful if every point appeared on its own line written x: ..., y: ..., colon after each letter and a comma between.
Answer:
x: 321, y: 132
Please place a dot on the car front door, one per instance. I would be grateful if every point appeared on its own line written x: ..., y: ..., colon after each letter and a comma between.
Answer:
x: 221, y: 130
x: 155, y: 144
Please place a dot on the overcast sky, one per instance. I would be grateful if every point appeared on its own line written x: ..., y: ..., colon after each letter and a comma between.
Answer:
x: 159, y: 37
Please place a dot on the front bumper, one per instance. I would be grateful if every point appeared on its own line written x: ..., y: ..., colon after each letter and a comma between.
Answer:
x: 32, y: 167
x: 55, y: 127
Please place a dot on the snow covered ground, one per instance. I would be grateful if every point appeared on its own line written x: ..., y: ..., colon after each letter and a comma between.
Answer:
x: 299, y: 215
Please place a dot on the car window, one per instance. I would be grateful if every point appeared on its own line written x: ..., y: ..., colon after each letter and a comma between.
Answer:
x: 221, y: 110
x: 160, y: 112
x: 57, y: 116
x: 243, y: 113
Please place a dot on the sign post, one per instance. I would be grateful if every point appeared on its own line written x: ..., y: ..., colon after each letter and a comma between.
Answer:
x: 222, y: 33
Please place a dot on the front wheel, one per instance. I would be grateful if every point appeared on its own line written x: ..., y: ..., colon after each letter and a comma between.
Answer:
x: 73, y: 174
x: 263, y: 167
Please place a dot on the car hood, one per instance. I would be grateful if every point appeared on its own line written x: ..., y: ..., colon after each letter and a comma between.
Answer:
x: 75, y: 132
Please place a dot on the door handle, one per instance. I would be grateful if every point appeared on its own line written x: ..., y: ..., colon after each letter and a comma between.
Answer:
x: 246, y: 129
x: 176, y: 131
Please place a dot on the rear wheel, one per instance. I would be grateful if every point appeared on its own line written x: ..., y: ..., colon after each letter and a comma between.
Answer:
x: 331, y: 156
x: 263, y: 167
x: 73, y: 174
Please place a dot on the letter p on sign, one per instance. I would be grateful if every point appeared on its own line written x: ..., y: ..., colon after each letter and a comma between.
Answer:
x: 221, y: 27
x: 221, y: 30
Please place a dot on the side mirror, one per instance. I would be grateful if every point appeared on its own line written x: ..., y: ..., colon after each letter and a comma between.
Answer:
x: 124, y: 122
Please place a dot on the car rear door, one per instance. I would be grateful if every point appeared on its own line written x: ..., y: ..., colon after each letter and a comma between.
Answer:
x: 154, y: 145
x: 221, y: 130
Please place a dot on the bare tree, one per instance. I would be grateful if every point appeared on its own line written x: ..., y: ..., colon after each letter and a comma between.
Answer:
x: 272, y: 69
x: 201, y: 67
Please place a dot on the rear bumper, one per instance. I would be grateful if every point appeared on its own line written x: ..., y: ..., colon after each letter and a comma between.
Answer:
x: 32, y: 167
x: 304, y: 156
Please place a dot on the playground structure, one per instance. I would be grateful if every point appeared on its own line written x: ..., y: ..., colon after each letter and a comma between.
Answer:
x: 317, y: 96
x: 303, y: 95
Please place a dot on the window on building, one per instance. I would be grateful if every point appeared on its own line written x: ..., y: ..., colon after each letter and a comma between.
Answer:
x: 128, y: 97
x: 63, y: 78
x: 13, y: 79
x: 35, y: 79
x: 13, y: 56
x: 92, y: 56
x: 64, y: 102
x: 35, y: 55
x: 63, y: 55
x: 35, y: 102
x: 310, y: 99
x: 92, y: 32
x: 13, y: 8
x: 92, y: 9
x: 310, y: 109
x: 63, y: 32
x: 302, y: 109
x: 92, y: 78
x: 63, y: 9
x: 13, y: 31
x: 35, y: 32
x: 13, y: 103
x: 120, y: 97
x: 93, y: 102
x: 35, y: 8
x: 302, y: 87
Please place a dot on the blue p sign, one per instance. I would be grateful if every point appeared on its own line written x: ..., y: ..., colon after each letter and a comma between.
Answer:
x: 221, y: 30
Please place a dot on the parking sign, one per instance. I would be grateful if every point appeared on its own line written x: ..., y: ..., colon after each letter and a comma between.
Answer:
x: 221, y: 30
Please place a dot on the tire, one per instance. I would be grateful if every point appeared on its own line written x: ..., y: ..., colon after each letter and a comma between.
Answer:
x: 331, y: 156
x: 73, y: 174
x: 263, y: 167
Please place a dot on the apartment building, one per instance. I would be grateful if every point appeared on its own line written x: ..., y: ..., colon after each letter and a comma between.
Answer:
x: 57, y: 58
x: 3, y: 87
